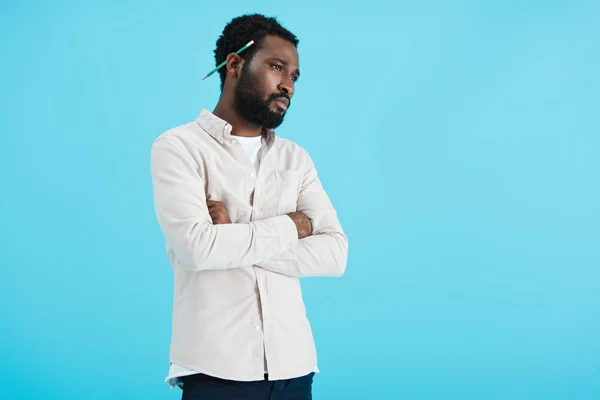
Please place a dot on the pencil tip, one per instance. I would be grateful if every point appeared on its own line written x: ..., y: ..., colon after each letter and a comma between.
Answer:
x: 205, y: 77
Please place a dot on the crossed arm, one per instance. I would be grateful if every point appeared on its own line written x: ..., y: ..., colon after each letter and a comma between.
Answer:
x: 284, y: 244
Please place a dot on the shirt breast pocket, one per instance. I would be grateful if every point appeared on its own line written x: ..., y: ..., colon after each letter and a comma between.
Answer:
x: 288, y: 188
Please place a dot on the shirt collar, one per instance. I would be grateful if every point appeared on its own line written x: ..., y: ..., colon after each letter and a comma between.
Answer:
x: 221, y: 129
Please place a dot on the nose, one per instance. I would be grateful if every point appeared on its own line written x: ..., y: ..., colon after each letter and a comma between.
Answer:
x: 287, y: 86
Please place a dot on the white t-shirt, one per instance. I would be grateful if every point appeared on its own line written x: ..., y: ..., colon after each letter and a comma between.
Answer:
x: 252, y: 146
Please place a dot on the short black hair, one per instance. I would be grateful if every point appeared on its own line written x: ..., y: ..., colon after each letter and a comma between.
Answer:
x: 240, y: 30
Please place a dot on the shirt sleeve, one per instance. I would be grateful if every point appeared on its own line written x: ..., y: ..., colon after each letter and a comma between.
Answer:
x: 182, y: 213
x: 325, y: 252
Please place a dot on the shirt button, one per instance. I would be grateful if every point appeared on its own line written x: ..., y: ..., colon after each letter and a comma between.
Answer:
x: 233, y: 141
x: 257, y: 328
x: 251, y: 174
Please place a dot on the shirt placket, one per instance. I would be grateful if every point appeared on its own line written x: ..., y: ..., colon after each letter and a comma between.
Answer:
x: 257, y: 327
x: 260, y: 202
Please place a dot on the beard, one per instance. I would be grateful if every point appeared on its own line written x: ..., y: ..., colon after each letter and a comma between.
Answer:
x: 251, y: 106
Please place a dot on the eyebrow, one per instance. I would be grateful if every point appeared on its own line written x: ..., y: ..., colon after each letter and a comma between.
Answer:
x: 281, y: 60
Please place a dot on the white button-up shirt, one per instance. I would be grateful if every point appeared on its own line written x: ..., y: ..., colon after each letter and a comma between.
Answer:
x: 237, y: 307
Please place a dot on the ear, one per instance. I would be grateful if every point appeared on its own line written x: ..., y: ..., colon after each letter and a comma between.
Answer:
x: 234, y: 65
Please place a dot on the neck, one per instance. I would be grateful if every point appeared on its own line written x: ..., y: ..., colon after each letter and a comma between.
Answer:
x: 240, y: 127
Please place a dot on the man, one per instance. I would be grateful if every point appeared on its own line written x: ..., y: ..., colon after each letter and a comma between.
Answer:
x: 244, y: 216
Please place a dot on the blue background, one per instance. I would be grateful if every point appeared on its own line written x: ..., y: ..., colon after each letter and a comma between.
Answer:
x: 459, y: 142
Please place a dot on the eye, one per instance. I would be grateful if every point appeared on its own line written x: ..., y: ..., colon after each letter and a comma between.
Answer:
x: 276, y: 67
x: 294, y: 78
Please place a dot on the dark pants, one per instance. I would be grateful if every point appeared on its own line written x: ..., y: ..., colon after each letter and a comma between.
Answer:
x: 205, y: 387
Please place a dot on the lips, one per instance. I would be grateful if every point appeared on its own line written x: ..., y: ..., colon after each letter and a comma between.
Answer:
x: 283, y: 102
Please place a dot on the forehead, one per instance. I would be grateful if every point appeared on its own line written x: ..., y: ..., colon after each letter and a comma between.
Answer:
x: 276, y: 47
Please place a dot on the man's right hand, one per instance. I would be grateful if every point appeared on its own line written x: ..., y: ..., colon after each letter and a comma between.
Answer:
x: 302, y: 222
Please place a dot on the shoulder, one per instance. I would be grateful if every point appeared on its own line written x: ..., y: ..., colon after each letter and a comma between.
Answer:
x: 188, y: 137
x: 181, y: 134
x: 291, y: 148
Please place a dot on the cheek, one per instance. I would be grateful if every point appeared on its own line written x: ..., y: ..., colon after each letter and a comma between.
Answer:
x: 270, y: 83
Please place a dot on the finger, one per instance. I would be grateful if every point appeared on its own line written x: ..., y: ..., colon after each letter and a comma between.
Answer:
x: 215, y: 210
x: 218, y: 219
